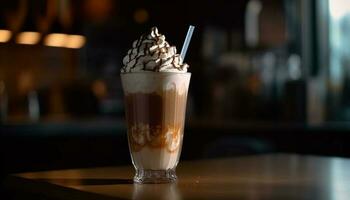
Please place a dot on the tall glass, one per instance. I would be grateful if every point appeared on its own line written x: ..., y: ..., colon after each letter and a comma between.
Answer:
x: 155, y: 114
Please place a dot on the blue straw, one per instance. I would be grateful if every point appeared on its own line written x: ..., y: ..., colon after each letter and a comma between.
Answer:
x: 186, y: 42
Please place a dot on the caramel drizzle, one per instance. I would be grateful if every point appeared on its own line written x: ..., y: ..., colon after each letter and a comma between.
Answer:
x: 161, y: 143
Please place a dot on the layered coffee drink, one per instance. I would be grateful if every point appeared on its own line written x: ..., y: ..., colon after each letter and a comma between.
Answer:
x: 155, y: 83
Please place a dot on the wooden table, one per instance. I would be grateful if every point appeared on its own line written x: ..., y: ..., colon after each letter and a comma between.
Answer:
x: 277, y: 176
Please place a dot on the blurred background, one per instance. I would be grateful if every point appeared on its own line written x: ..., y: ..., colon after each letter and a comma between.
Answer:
x: 267, y: 76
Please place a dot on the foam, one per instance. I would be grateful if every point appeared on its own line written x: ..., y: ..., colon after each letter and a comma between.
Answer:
x: 149, y: 82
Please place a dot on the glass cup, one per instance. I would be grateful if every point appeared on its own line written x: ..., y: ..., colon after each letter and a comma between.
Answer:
x: 155, y: 105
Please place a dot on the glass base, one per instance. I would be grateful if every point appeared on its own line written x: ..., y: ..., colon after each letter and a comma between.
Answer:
x: 155, y: 176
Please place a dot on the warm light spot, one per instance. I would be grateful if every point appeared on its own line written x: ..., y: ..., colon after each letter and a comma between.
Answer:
x: 25, y: 82
x: 75, y: 41
x: 28, y: 38
x: 5, y: 35
x: 141, y: 15
x: 99, y: 88
x: 56, y: 40
x: 98, y: 10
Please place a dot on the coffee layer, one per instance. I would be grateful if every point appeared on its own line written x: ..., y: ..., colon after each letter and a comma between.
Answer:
x: 155, y: 120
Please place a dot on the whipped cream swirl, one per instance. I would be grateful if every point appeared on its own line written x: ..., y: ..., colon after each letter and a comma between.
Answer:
x: 152, y: 53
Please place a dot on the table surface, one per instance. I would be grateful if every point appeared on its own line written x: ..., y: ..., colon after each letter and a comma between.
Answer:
x: 275, y: 176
